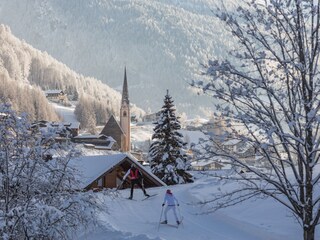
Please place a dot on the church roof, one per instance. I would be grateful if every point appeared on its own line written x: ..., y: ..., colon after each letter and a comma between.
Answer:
x: 112, y: 127
x: 125, y: 93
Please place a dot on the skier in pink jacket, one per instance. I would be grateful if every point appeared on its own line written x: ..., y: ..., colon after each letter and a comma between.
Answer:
x: 172, y: 202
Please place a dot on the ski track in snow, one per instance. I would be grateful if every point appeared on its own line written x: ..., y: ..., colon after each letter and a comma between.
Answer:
x: 139, y: 219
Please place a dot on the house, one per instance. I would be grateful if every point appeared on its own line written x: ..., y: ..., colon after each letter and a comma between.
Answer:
x: 107, y: 171
x: 97, y: 141
x: 152, y: 117
x: 240, y: 148
x: 56, y: 96
x: 204, y: 165
x: 62, y: 132
x: 74, y: 128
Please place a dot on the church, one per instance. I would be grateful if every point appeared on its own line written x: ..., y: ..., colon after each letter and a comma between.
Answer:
x: 120, y: 132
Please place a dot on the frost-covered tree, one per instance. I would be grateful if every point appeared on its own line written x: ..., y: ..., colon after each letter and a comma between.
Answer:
x: 38, y: 197
x: 269, y: 84
x: 28, y: 99
x: 166, y: 154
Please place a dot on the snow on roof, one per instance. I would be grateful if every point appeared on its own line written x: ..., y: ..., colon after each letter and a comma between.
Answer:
x: 92, y: 167
x: 53, y: 91
x: 205, y: 162
x: 87, y: 136
x: 72, y: 124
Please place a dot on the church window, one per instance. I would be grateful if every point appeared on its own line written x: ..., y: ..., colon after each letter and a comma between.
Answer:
x: 124, y: 113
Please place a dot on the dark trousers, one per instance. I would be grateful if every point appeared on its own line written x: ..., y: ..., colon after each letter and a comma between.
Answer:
x: 140, y: 184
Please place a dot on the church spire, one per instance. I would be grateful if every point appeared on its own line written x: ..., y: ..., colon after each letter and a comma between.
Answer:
x: 125, y: 94
x: 125, y: 117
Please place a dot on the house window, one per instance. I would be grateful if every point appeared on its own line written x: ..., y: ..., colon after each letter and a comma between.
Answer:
x: 100, y: 182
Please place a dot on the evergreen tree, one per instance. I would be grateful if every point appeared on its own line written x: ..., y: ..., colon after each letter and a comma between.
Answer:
x: 166, y: 154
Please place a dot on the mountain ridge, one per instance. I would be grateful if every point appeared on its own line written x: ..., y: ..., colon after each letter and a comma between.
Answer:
x: 162, y: 43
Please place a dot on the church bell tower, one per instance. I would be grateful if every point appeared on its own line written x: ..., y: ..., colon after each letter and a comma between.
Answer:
x: 125, y: 117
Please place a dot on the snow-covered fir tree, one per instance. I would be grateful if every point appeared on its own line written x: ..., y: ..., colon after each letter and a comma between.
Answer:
x: 166, y: 154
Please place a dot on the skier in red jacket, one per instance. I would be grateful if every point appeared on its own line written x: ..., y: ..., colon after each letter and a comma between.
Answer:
x: 136, y: 178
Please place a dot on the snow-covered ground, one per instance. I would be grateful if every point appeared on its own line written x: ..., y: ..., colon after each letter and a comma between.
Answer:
x: 67, y: 113
x: 260, y: 219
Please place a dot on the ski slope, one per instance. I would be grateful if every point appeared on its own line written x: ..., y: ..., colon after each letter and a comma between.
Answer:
x: 136, y: 219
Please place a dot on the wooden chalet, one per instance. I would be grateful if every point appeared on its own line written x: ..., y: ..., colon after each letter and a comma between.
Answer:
x: 56, y: 95
x: 107, y: 171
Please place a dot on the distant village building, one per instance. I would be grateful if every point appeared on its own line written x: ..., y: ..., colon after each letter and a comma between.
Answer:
x: 205, y: 165
x: 152, y: 117
x: 121, y: 131
x: 61, y: 130
x: 240, y: 148
x: 101, y: 142
x: 56, y: 96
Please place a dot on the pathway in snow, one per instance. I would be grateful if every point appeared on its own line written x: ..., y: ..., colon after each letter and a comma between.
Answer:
x: 67, y: 113
x: 138, y: 219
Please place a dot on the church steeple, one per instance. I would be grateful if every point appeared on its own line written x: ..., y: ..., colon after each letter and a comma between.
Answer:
x: 125, y: 94
x: 125, y: 117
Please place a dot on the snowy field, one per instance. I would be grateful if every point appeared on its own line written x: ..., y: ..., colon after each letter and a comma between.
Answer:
x: 259, y: 219
x: 135, y: 219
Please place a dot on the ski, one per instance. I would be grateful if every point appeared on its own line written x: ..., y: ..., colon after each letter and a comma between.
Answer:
x: 131, y: 199
x: 152, y: 195
x: 172, y: 225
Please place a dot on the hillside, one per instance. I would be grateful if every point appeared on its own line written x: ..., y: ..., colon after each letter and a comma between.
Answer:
x: 162, y: 42
x: 23, y: 64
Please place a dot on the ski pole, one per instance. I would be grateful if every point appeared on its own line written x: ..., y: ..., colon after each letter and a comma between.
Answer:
x: 160, y: 218
x: 181, y: 218
x: 120, y: 184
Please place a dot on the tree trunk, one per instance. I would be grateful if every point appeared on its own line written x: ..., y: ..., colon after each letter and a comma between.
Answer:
x: 308, y: 233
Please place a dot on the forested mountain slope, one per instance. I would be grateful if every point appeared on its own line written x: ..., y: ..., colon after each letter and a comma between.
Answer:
x: 22, y: 65
x: 162, y: 42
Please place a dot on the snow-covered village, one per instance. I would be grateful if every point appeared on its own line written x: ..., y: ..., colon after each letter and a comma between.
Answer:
x: 159, y: 120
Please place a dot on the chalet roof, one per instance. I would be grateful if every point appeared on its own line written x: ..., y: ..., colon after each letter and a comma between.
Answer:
x: 72, y: 125
x: 53, y: 91
x: 44, y: 123
x: 92, y: 167
x: 112, y: 127
x: 100, y: 136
